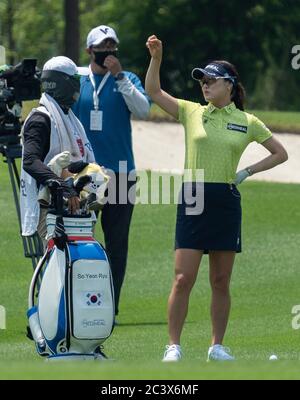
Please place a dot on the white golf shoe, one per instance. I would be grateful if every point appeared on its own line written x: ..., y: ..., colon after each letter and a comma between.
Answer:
x: 172, y: 353
x: 219, y: 353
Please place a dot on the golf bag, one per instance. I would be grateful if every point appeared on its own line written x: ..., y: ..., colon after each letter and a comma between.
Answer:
x: 71, y: 297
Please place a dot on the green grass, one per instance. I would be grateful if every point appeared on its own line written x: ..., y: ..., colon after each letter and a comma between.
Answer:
x: 280, y: 121
x: 265, y: 287
x: 277, y: 121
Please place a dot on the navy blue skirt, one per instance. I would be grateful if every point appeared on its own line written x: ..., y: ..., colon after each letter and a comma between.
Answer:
x: 209, y: 217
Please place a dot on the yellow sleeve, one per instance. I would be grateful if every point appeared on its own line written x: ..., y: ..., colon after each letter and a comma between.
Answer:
x: 182, y: 111
x: 185, y: 108
x: 259, y: 131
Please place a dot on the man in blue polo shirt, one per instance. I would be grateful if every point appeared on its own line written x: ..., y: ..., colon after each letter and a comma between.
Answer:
x: 108, y: 97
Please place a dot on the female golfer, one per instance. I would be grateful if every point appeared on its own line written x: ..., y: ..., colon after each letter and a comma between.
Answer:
x: 215, y: 137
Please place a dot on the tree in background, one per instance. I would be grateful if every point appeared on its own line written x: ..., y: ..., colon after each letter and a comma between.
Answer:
x: 71, y: 35
x: 7, y: 11
x: 256, y: 35
x: 36, y: 26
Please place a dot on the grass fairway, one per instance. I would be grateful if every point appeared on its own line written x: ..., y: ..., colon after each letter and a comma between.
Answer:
x: 265, y: 287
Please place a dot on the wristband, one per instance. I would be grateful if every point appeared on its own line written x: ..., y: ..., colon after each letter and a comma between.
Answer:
x: 249, y: 170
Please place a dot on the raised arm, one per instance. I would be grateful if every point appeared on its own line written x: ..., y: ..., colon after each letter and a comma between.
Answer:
x: 152, y: 85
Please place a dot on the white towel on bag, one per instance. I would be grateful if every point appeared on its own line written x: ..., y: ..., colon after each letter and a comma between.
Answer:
x: 65, y: 130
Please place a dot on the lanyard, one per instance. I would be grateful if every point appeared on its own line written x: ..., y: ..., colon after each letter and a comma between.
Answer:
x: 96, y: 92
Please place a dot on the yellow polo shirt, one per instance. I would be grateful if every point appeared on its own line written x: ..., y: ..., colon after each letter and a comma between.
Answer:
x: 215, y: 138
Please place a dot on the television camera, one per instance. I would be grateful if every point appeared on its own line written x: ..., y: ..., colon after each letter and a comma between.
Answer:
x: 18, y: 83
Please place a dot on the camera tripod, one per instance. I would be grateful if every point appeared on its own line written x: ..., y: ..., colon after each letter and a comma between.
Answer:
x: 32, y: 245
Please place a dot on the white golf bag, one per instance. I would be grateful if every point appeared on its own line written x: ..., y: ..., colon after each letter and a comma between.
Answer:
x: 73, y: 313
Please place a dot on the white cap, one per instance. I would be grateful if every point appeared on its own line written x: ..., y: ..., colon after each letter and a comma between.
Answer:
x: 61, y: 64
x: 97, y: 35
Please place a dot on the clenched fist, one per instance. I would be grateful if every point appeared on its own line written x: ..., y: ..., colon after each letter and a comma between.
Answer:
x: 155, y: 47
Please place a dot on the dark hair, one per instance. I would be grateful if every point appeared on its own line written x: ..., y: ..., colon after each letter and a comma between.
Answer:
x: 238, y: 93
x: 104, y: 42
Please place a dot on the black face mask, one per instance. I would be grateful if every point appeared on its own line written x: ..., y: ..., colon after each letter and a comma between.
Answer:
x: 100, y: 56
x: 62, y: 87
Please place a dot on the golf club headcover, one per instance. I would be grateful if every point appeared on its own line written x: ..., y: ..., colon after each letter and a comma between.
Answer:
x: 81, y: 182
x: 97, y: 184
x: 77, y: 166
x: 56, y: 164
